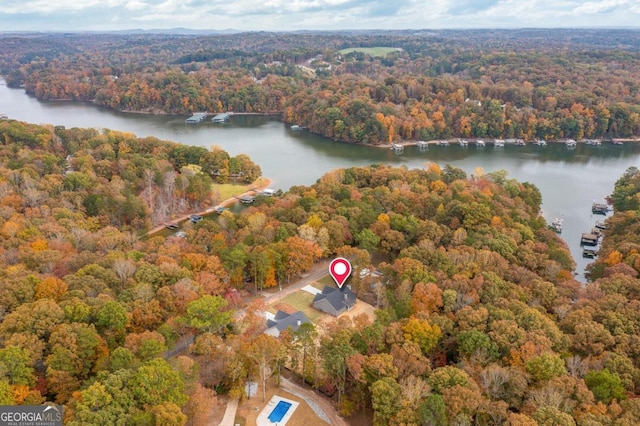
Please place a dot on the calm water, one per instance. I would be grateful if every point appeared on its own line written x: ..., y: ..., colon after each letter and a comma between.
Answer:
x: 569, y: 179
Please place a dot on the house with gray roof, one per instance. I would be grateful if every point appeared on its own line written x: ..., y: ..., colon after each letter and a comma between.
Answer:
x: 283, y: 320
x: 334, y: 301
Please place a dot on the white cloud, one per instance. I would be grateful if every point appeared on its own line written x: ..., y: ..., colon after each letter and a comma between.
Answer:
x: 275, y: 15
x: 603, y: 6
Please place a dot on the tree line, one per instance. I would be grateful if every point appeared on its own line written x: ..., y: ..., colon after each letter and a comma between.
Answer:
x: 478, y: 319
x: 474, y: 84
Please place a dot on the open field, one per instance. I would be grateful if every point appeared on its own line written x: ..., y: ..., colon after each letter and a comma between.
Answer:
x: 380, y: 51
x: 228, y: 190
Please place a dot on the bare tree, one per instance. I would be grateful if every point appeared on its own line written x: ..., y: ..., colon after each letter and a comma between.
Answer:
x: 124, y: 269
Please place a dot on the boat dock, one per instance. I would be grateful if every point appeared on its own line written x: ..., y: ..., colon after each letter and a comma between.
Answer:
x: 601, y: 224
x: 197, y: 117
x: 397, y: 148
x: 247, y: 199
x: 423, y: 145
x: 221, y: 118
x: 589, y: 240
x: 599, y: 208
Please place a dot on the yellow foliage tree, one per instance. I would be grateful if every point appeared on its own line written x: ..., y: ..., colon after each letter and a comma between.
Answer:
x: 614, y: 258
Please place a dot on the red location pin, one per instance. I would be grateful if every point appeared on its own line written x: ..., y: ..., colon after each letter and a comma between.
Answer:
x: 340, y: 269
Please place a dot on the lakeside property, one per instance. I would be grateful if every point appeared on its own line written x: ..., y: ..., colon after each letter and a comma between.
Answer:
x: 231, y: 196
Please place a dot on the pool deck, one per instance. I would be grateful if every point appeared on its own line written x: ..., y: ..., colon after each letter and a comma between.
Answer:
x: 263, y: 419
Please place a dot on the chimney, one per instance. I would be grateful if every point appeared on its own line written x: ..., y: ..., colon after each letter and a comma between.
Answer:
x: 299, y: 322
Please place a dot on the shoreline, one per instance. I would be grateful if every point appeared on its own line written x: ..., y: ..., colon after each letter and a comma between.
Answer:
x: 491, y: 142
x: 266, y: 182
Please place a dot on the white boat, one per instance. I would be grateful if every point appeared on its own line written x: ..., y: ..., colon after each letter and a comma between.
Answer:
x: 556, y: 225
x: 296, y: 127
x: 480, y: 143
x: 443, y: 143
x: 594, y: 142
x: 520, y: 142
x: 498, y: 143
x: 540, y: 142
x: 463, y: 142
x: 570, y: 143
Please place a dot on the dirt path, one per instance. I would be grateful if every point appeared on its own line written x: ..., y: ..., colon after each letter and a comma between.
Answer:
x: 266, y: 182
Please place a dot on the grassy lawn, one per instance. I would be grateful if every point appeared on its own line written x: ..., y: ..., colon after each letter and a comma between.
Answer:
x: 302, y: 300
x: 326, y: 280
x: 371, y: 51
x: 228, y: 190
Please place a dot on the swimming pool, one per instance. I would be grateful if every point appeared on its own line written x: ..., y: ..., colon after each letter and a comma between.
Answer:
x: 279, y: 411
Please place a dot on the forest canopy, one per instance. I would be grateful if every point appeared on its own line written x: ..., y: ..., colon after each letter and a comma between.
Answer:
x: 527, y: 83
x: 478, y: 317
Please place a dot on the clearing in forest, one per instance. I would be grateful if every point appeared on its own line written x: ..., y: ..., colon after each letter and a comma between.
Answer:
x: 380, y: 51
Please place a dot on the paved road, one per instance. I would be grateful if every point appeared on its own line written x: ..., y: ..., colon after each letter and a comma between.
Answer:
x: 318, y: 271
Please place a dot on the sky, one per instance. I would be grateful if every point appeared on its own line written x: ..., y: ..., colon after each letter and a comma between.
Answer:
x: 293, y: 15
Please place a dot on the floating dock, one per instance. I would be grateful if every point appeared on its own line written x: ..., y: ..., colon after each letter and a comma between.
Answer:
x: 221, y: 118
x: 556, y: 225
x: 589, y: 240
x: 601, y: 224
x: 599, y: 208
x: 197, y: 117
x: 397, y: 148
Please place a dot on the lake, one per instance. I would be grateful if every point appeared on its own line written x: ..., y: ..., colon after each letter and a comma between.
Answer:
x: 569, y: 179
